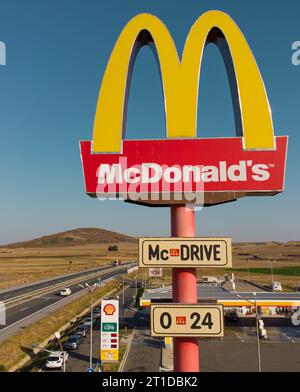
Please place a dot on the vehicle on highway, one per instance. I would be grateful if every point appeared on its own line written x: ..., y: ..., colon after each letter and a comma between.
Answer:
x: 73, y: 342
x: 82, y: 330
x: 56, y: 360
x: 232, y: 317
x: 65, y: 292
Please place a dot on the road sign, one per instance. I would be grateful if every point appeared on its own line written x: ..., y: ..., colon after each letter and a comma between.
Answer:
x: 155, y: 272
x: 90, y: 370
x: 109, y: 330
x: 187, y: 320
x: 185, y: 252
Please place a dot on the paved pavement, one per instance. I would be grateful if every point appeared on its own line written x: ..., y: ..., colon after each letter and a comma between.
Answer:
x: 145, y: 351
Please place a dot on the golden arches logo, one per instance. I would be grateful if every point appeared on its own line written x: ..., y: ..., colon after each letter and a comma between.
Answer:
x: 180, y: 81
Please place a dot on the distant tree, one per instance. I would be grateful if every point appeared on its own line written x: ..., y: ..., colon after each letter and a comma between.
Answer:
x: 112, y: 248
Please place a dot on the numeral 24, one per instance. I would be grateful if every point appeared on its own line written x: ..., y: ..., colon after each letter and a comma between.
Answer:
x: 207, y: 321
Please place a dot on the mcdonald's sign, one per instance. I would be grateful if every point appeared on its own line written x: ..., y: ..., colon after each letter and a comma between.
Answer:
x: 183, y: 167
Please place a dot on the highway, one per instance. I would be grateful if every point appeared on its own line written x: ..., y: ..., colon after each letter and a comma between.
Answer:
x: 28, y: 303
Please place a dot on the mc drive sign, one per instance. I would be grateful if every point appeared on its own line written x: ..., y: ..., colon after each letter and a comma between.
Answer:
x: 185, y: 252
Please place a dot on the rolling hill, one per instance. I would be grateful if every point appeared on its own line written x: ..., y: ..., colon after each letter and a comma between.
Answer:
x: 80, y: 236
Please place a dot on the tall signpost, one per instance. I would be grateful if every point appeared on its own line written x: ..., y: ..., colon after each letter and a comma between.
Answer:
x: 183, y: 170
x: 109, y: 330
x: 184, y: 290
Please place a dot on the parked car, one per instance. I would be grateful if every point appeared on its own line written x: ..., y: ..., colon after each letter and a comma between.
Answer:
x: 65, y: 292
x: 55, y: 360
x: 232, y: 316
x: 87, y: 322
x: 73, y: 342
x: 82, y: 330
x: 96, y: 312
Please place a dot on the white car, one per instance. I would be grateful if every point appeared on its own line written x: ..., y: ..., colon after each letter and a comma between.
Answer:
x: 55, y: 360
x: 65, y: 292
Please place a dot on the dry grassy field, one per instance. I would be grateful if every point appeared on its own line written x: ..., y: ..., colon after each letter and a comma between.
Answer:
x: 24, y: 265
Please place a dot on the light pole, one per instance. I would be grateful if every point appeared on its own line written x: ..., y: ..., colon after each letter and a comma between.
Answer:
x: 257, y: 335
x: 90, y: 290
x: 271, y: 261
x: 257, y: 332
x: 248, y: 261
x: 123, y: 295
x: 57, y: 335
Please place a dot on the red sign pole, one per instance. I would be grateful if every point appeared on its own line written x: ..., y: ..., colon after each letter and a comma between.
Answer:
x: 186, y: 350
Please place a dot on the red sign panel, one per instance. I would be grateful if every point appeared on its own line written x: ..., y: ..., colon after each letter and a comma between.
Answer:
x: 157, y: 171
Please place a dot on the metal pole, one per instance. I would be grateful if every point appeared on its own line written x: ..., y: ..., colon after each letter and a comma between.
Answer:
x: 91, y: 335
x: 64, y: 359
x: 248, y: 272
x: 257, y: 336
x: 123, y: 295
x: 186, y: 349
x: 272, y: 275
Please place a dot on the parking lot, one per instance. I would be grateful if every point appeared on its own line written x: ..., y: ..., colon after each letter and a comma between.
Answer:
x: 237, y: 351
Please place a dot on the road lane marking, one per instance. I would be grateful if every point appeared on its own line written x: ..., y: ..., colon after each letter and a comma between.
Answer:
x: 26, y: 307
x: 288, y: 337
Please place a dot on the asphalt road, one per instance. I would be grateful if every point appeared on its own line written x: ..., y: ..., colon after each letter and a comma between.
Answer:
x: 39, y: 302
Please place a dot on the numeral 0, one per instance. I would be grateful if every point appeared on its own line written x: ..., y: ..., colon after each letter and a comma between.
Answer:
x: 165, y: 320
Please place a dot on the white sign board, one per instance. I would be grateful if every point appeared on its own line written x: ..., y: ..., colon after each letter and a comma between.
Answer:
x: 185, y: 252
x: 155, y: 272
x: 109, y: 330
x: 187, y: 320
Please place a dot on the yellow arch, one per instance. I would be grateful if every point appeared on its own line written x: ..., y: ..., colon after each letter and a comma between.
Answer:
x: 181, y: 80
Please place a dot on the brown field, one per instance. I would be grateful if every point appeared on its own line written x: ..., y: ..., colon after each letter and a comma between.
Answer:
x: 24, y: 265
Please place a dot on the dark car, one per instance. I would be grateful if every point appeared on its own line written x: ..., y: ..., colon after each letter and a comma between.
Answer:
x: 73, y: 342
x: 82, y: 330
x: 97, y: 312
x: 232, y: 317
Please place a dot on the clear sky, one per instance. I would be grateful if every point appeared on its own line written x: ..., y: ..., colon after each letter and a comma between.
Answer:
x: 57, y: 51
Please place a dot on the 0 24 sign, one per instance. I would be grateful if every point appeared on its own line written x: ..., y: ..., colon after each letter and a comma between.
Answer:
x: 187, y: 320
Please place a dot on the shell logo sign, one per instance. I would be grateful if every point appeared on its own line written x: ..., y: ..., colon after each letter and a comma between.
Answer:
x: 184, y: 168
x: 109, y: 309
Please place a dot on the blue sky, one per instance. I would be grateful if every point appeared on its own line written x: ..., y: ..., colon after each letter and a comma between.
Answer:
x: 57, y: 51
